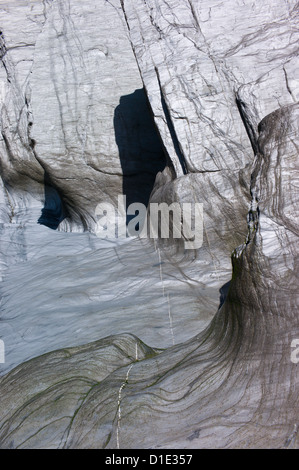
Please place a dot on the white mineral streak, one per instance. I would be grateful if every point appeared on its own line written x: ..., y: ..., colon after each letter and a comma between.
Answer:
x: 221, y: 79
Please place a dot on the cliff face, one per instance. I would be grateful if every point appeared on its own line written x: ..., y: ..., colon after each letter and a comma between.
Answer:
x: 76, y: 126
x: 176, y: 101
x: 211, y: 73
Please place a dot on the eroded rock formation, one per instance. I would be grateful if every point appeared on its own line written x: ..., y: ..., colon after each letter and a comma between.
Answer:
x: 222, y: 88
x: 76, y: 127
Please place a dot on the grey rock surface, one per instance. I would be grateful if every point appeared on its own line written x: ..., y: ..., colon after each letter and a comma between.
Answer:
x: 231, y: 386
x: 81, y: 83
x: 211, y: 77
x: 76, y: 127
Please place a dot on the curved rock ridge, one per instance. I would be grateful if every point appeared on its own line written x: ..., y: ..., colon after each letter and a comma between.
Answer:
x: 234, y: 385
x: 66, y: 289
x: 78, y: 371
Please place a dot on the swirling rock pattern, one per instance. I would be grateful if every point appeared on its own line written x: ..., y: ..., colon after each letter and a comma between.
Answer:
x: 222, y: 88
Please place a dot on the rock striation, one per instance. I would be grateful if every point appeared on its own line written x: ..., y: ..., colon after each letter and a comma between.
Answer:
x: 161, y: 101
x: 76, y: 128
x: 210, y: 78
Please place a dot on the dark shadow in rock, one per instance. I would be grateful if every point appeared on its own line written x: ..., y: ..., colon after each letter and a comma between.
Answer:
x: 140, y: 147
x: 53, y: 212
x: 223, y: 293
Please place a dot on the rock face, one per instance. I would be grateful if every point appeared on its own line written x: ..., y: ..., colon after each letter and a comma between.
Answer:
x: 222, y: 87
x: 75, y: 121
x: 211, y: 77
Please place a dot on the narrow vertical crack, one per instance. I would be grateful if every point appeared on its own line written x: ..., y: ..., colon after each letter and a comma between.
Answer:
x: 248, y: 124
x: 287, y: 84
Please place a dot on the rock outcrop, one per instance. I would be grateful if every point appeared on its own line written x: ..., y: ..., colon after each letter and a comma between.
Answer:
x: 222, y: 89
x: 210, y: 78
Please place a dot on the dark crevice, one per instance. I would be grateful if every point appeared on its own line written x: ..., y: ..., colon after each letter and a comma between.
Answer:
x: 171, y: 128
x: 53, y: 211
x: 251, y: 131
x: 140, y: 150
x: 3, y: 51
x: 223, y: 291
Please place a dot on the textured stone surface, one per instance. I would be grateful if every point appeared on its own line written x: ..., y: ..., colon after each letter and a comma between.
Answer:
x: 74, y: 117
x: 221, y: 81
x: 62, y: 290
x: 232, y: 386
x: 198, y: 58
x: 211, y: 76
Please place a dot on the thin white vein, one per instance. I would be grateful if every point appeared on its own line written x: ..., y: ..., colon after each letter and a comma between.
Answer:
x: 119, y: 405
x: 170, y: 319
x: 164, y: 295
